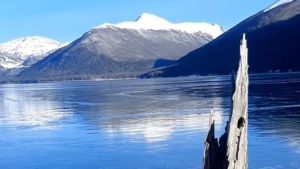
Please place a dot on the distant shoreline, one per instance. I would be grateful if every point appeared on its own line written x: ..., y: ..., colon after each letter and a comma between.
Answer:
x: 116, y: 79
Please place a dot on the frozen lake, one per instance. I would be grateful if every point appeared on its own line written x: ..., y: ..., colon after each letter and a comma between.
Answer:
x: 143, y: 124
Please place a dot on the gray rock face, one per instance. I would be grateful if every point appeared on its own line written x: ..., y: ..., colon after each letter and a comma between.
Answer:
x: 114, y: 53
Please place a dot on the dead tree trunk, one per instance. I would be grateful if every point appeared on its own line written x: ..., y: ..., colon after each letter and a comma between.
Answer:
x: 211, y: 147
x: 237, y: 136
x: 231, y: 152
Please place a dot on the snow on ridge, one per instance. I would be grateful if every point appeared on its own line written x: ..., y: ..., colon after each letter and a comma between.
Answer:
x: 29, y: 46
x: 278, y: 3
x: 13, y: 53
x: 152, y: 22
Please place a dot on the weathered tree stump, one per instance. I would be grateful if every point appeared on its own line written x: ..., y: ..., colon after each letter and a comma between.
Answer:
x: 231, y: 151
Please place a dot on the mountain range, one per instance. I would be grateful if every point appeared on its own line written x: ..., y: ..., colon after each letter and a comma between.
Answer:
x: 273, y: 38
x: 123, y: 50
x: 151, y: 46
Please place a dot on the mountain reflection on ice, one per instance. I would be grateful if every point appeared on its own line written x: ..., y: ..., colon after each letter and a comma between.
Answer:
x: 28, y: 108
x: 147, y: 124
x: 155, y: 129
x: 147, y: 110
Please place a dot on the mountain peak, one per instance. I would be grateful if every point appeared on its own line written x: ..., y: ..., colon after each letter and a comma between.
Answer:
x: 150, y: 18
x: 29, y: 46
x: 148, y: 21
x: 29, y: 39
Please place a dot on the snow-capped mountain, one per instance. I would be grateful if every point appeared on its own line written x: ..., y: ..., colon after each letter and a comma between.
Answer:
x: 127, y: 49
x: 273, y: 39
x: 148, y: 21
x: 23, y: 52
x: 278, y: 3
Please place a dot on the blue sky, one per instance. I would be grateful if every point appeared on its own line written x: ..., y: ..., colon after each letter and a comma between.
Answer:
x: 66, y: 20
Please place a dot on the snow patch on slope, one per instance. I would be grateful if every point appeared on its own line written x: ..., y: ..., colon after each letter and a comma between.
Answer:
x: 8, y: 63
x: 278, y: 3
x: 152, y: 22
